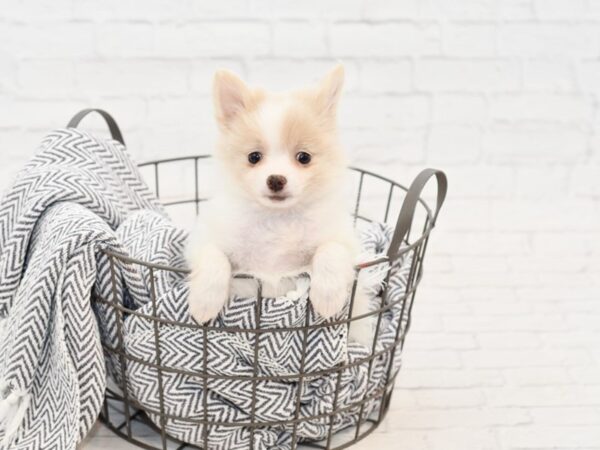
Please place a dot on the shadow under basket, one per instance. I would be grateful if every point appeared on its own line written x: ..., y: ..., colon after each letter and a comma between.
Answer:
x: 377, y: 199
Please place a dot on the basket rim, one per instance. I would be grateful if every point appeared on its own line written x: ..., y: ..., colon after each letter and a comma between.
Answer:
x: 430, y: 223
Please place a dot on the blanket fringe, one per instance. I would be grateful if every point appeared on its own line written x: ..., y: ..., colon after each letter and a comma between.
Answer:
x: 12, y: 412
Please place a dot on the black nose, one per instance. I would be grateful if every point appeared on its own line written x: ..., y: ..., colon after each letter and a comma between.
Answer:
x: 276, y: 182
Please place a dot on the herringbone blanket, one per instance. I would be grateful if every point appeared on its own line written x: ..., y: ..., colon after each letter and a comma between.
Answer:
x: 80, y: 196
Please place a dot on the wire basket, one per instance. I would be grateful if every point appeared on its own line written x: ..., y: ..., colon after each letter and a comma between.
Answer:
x: 377, y: 199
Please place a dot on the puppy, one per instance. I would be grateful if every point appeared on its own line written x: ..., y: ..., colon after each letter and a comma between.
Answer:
x: 279, y: 210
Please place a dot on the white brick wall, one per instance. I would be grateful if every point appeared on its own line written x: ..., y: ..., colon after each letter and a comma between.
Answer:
x: 502, y: 94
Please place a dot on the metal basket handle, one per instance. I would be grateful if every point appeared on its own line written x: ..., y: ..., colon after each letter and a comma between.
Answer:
x: 115, y: 132
x: 407, y: 211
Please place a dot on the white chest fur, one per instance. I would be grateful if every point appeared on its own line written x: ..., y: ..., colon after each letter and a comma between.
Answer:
x: 272, y: 245
x: 275, y: 244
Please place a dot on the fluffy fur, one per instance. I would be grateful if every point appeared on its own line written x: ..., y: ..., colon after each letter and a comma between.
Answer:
x: 275, y: 235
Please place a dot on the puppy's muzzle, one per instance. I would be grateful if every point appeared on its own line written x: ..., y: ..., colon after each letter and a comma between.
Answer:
x: 276, y: 183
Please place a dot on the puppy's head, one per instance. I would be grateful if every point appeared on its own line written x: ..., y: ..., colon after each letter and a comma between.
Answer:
x: 280, y: 149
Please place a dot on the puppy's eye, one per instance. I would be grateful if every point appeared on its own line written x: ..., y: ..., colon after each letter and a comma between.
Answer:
x: 254, y: 157
x: 303, y: 157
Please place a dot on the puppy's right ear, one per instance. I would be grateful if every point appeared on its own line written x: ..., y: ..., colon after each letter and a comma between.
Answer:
x: 231, y: 96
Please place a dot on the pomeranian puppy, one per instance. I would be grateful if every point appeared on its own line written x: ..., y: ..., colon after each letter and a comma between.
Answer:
x: 279, y: 211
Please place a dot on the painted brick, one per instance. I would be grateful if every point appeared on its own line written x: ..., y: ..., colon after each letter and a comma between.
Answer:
x: 548, y: 75
x: 386, y: 77
x: 548, y: 40
x: 521, y: 143
x: 356, y: 39
x: 542, y: 107
x: 469, y: 40
x: 135, y: 77
x: 454, y: 145
x: 299, y: 39
x: 467, y: 75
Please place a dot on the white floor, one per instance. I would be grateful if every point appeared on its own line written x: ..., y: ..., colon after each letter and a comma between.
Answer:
x: 490, y: 368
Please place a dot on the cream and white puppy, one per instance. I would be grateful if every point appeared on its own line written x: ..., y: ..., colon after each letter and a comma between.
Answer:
x: 279, y: 210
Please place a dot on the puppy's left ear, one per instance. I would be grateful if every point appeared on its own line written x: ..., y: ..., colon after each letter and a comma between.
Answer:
x: 330, y: 91
x: 231, y: 96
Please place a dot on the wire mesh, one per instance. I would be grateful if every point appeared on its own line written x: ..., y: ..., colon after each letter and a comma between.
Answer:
x: 130, y: 419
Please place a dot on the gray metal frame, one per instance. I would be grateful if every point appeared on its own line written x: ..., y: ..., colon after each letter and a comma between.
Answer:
x: 402, y: 243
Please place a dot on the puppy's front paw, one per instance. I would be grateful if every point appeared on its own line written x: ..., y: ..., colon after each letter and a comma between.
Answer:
x: 331, y: 279
x: 328, y: 294
x: 209, y: 285
x: 207, y: 297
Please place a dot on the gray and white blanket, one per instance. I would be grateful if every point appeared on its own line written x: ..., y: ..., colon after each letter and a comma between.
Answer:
x: 81, y: 196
